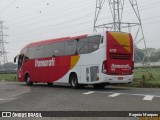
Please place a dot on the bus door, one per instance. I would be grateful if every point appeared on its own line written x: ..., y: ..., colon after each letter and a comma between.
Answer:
x: 20, y: 63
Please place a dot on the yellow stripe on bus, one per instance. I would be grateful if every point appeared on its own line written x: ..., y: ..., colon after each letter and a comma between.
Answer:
x: 74, y: 60
x: 122, y: 39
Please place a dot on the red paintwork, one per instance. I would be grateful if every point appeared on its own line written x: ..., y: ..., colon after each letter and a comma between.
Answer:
x: 48, y: 73
x: 120, y: 50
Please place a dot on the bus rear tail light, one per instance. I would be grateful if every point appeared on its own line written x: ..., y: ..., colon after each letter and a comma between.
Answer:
x: 132, y: 66
x: 104, y: 67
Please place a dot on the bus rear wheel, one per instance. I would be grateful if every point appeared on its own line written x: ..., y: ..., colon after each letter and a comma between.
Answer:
x: 73, y: 81
x: 99, y: 86
x: 28, y: 81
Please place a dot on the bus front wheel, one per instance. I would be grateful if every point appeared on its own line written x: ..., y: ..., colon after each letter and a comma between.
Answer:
x: 28, y: 80
x: 73, y: 81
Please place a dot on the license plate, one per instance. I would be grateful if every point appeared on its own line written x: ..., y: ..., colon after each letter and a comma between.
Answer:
x: 120, y: 78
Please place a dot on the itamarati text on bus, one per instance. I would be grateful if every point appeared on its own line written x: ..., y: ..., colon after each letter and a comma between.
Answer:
x: 96, y: 59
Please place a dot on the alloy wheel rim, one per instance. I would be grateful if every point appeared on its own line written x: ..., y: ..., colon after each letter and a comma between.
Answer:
x: 73, y: 81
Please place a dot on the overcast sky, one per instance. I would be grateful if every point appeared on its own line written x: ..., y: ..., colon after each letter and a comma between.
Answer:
x: 33, y: 20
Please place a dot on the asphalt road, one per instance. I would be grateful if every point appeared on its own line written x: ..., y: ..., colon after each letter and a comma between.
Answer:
x: 40, y: 97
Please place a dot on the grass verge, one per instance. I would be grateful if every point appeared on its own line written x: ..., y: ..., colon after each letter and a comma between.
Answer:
x: 141, y: 78
x: 8, y: 77
x: 144, y: 80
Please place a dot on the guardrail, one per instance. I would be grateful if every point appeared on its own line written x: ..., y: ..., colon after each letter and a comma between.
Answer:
x: 7, y: 71
x: 152, y: 64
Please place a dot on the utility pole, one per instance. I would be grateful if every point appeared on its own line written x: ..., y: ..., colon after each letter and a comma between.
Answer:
x: 3, y: 56
x: 117, y: 9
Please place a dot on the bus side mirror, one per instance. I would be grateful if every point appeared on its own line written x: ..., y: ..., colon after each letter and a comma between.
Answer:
x: 15, y: 59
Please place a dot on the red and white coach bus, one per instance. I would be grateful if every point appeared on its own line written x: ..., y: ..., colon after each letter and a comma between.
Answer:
x: 98, y: 59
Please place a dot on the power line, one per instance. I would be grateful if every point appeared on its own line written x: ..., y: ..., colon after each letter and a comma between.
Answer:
x: 33, y: 5
x: 46, y: 20
x: 43, y: 0
x: 8, y: 6
x: 67, y: 6
x: 142, y: 9
x: 69, y: 21
x: 73, y: 25
x: 117, y: 13
x: 29, y: 14
x: 76, y: 32
x: 76, y: 19
x: 72, y: 33
x: 26, y: 20
x: 30, y: 19
x: 61, y: 23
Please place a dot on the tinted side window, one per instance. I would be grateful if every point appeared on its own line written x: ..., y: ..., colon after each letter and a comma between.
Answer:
x: 30, y: 53
x: 58, y: 49
x: 38, y: 52
x: 48, y: 50
x: 94, y: 42
x: 82, y: 46
x: 70, y: 47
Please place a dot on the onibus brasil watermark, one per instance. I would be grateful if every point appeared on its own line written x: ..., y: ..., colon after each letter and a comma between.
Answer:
x: 21, y: 114
x: 138, y: 114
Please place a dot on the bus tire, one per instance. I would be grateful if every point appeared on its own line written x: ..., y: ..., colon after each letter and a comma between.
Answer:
x: 73, y: 81
x: 99, y: 86
x: 50, y: 83
x: 28, y: 82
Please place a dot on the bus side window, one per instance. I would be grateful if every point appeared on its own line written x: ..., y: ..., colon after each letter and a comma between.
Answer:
x: 94, y: 42
x: 70, y: 47
x: 82, y: 46
x: 38, y: 51
x: 31, y: 53
x: 88, y: 45
x: 48, y: 50
x: 54, y: 49
x: 58, y: 49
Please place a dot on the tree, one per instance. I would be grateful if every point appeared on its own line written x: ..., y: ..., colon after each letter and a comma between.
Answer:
x: 138, y: 55
x: 155, y: 56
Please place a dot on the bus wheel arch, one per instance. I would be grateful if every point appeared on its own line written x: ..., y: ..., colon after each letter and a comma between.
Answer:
x: 73, y: 80
x: 28, y: 80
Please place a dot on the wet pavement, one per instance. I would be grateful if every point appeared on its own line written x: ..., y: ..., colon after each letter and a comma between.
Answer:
x: 11, y: 90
